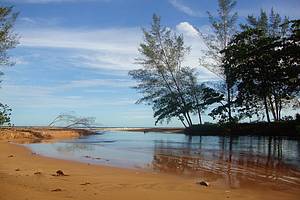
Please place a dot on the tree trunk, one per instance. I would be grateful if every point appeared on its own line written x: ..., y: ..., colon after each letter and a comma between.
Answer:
x: 170, y: 89
x: 272, y: 108
x: 182, y: 121
x: 267, y: 109
x: 199, y: 116
x: 175, y: 82
x: 229, y: 103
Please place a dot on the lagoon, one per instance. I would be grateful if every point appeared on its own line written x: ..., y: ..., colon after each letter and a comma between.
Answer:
x: 236, y: 161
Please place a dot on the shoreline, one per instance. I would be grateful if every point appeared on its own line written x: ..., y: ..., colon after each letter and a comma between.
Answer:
x: 24, y: 175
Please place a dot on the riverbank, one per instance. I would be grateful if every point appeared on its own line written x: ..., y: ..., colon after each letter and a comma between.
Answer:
x: 284, y: 128
x: 38, y: 134
x: 24, y: 175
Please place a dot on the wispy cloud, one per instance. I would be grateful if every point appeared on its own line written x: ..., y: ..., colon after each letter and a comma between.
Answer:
x: 28, y: 22
x: 102, y: 48
x: 30, y: 96
x: 102, y: 39
x: 91, y: 83
x: 185, y: 9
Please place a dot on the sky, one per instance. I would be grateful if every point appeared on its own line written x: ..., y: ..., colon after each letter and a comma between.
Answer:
x: 74, y: 55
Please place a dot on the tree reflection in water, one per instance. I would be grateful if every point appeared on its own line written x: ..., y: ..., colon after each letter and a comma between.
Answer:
x: 236, y: 160
x: 74, y: 147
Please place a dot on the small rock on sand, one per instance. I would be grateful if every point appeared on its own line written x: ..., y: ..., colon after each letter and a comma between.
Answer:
x: 56, y: 190
x: 37, y: 173
x: 10, y: 156
x: 203, y: 183
x: 17, y: 169
x: 60, y: 173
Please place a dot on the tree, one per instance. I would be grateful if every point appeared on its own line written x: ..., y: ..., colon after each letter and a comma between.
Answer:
x: 200, y: 96
x: 224, y: 27
x: 264, y: 33
x: 69, y: 120
x: 160, y: 78
x: 265, y: 66
x: 4, y: 115
x: 8, y: 40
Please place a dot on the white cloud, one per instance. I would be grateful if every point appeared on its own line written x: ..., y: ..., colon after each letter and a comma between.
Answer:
x: 89, y: 83
x: 114, y: 48
x: 185, y: 9
x: 193, y: 40
x: 187, y: 29
x: 102, y: 40
x: 27, y: 22
x: 104, y: 48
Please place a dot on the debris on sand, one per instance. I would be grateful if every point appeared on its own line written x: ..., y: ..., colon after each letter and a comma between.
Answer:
x: 87, y: 156
x: 86, y: 183
x: 60, y: 173
x: 203, y: 183
x: 56, y: 190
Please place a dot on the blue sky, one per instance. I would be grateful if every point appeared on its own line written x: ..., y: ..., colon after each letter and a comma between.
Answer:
x: 74, y: 55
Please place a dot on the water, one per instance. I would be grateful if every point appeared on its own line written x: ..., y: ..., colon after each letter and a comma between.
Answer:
x: 234, y: 160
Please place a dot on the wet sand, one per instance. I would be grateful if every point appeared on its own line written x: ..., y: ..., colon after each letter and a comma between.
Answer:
x: 24, y: 175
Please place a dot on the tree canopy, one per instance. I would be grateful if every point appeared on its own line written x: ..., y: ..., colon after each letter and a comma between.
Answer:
x: 8, y: 40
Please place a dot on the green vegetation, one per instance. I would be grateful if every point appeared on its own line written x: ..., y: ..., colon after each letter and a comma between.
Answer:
x: 258, y: 65
x: 8, y: 40
x: 4, y: 114
x: 170, y: 88
x: 224, y: 27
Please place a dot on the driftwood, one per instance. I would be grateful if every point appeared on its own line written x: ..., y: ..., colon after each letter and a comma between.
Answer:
x: 70, y: 120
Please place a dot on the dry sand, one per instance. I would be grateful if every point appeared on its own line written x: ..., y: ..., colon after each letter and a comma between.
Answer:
x: 24, y: 175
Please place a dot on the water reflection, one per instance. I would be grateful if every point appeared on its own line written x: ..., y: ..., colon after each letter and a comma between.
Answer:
x: 74, y: 147
x: 236, y: 159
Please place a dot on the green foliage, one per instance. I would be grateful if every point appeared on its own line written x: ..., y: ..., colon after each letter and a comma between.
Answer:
x: 171, y: 89
x: 273, y: 26
x: 224, y: 27
x: 224, y: 24
x: 8, y: 39
x: 161, y: 55
x: 265, y: 66
x: 5, y: 113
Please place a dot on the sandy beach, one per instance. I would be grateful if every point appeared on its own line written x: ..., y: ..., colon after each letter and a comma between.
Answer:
x: 24, y: 175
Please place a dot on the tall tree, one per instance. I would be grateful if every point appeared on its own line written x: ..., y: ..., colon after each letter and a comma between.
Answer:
x: 170, y: 88
x: 4, y: 115
x: 266, y: 67
x: 159, y: 80
x: 272, y: 28
x: 8, y: 40
x: 224, y: 27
